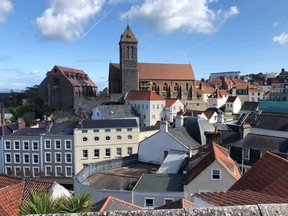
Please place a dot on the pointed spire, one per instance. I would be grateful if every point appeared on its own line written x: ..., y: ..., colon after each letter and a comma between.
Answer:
x: 128, y: 36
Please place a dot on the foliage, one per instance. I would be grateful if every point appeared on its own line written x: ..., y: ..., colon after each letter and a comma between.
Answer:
x: 44, y: 204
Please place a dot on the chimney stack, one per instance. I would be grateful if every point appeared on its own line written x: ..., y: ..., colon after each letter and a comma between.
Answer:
x: 164, y: 126
x: 179, y: 120
x: 20, y: 123
x: 244, y: 130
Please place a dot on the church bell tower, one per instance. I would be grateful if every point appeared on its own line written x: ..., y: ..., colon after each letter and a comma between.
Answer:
x: 128, y: 61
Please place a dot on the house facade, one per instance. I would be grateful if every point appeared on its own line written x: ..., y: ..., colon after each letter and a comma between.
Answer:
x: 218, y: 98
x: 98, y: 140
x: 233, y: 105
x: 171, y: 108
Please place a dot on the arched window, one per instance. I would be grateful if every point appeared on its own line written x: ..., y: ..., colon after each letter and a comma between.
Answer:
x: 165, y: 87
x: 176, y: 87
x: 187, y: 87
x: 154, y: 87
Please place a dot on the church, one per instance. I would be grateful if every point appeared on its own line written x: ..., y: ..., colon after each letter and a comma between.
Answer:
x: 167, y: 80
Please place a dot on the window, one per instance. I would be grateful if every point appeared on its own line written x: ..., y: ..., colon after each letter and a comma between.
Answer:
x: 96, y: 153
x: 96, y: 130
x: 84, y: 154
x: 142, y: 106
x: 8, y: 170
x: 215, y: 174
x: 153, y: 106
x: 107, y: 152
x: 107, y: 137
x: 48, y: 158
x: 26, y: 158
x: 57, y: 144
x: 58, y: 170
x: 167, y: 201
x: 85, y: 139
x: 84, y: 131
x: 35, y: 171
x: 246, y: 154
x: 144, y: 116
x: 157, y: 106
x: 165, y: 87
x: 147, y: 106
x: 129, y: 151
x: 7, y: 145
x: 149, y: 202
x: 68, y: 145
x: 107, y: 130
x: 17, y: 145
x: 68, y: 157
x: 17, y: 171
x: 154, y: 87
x: 129, y: 136
x: 153, y: 116
x: 48, y: 170
x: 96, y: 138
x: 47, y: 144
x: 176, y: 87
x: 68, y: 171
x: 35, y: 145
x: 118, y: 129
x: 17, y: 159
x: 7, y: 157
x: 129, y: 129
x: 119, y: 152
x: 186, y: 87
x: 119, y: 137
x: 26, y: 171
x: 58, y: 157
x: 35, y: 158
x: 26, y: 145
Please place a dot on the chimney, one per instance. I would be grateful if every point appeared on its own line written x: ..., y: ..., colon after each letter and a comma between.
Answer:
x: 244, y: 130
x: 20, y: 123
x: 2, y: 121
x: 201, y: 86
x: 164, y: 126
x: 220, y: 118
x: 48, y: 124
x: 179, y: 120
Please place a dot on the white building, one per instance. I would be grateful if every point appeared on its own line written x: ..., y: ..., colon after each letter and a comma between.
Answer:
x: 218, y: 98
x: 255, y: 95
x: 172, y: 107
x: 233, y: 105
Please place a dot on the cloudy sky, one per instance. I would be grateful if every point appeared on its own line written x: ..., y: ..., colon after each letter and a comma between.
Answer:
x: 250, y: 36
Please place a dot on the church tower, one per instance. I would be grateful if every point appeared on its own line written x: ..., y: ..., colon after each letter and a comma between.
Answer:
x: 128, y: 61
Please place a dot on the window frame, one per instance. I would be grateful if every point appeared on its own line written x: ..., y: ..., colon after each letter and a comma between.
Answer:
x: 215, y: 174
x: 55, y: 144
x: 14, y: 143
x: 145, y: 202
x: 45, y: 143
x: 33, y: 161
x: 106, y: 155
x: 28, y: 145
x: 55, y: 157
x: 24, y: 161
x: 45, y: 157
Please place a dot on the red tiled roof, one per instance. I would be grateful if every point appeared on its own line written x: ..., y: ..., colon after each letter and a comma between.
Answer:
x: 216, y: 81
x: 71, y: 73
x: 242, y: 197
x: 219, y: 94
x: 220, y: 154
x: 142, y: 95
x: 36, y: 186
x: 170, y: 102
x: 237, y: 80
x: 10, y: 199
x: 6, y: 180
x: 268, y: 175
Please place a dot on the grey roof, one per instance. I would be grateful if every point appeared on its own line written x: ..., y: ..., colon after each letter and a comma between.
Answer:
x: 183, y: 136
x: 62, y: 128
x: 250, y: 106
x: 263, y: 143
x: 109, y: 123
x: 160, y: 183
x: 221, y: 126
x: 228, y: 137
x: 271, y: 121
x: 29, y: 132
x: 117, y: 111
x: 8, y: 129
x: 150, y: 128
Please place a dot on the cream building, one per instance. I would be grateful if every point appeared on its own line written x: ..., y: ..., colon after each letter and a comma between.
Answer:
x: 98, y: 140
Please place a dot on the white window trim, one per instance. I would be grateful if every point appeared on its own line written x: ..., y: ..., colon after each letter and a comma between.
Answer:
x: 66, y: 171
x: 70, y: 144
x: 24, y: 158
x: 247, y: 154
x: 46, y: 157
x: 45, y: 143
x: 106, y: 154
x: 23, y: 143
x: 128, y: 150
x: 33, y: 141
x: 56, y: 171
x: 14, y: 141
x: 5, y: 144
x: 84, y: 158
x: 145, y: 198
x: 167, y: 199
x: 33, y: 159
x: 6, y: 158
x: 68, y: 153
x: 55, y: 144
x: 15, y: 167
x: 46, y: 170
x: 24, y: 173
x: 118, y: 155
x: 6, y: 167
x: 212, y: 174
x: 33, y: 168
x: 94, y: 153
x: 55, y: 157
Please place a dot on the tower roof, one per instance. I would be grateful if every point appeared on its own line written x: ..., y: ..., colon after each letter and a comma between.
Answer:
x: 128, y: 36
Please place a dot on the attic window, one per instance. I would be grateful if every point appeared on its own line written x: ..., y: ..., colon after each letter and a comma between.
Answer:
x: 216, y: 174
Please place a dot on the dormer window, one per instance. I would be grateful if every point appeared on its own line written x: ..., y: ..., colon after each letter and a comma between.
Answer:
x: 215, y: 174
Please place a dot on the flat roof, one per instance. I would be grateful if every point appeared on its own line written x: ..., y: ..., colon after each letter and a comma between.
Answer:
x: 123, y: 178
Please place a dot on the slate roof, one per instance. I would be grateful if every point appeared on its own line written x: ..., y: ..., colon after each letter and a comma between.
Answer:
x: 29, y: 132
x: 142, y: 95
x: 249, y: 106
x: 109, y: 123
x: 231, y: 99
x: 111, y: 203
x: 177, y: 204
x: 128, y: 36
x: 150, y: 182
x: 117, y: 111
x: 8, y: 129
x: 270, y: 121
x: 62, y: 128
x: 183, y: 136
x: 219, y: 154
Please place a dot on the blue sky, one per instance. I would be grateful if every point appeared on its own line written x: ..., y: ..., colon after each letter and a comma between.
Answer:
x: 250, y: 36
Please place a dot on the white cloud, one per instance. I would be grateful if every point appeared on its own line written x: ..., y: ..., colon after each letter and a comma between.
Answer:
x: 65, y: 20
x: 5, y: 8
x: 186, y: 15
x: 281, y: 39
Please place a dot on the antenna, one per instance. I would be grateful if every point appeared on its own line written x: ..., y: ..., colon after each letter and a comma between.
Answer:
x: 127, y: 18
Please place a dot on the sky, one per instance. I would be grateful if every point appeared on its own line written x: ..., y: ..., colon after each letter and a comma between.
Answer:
x: 249, y: 36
